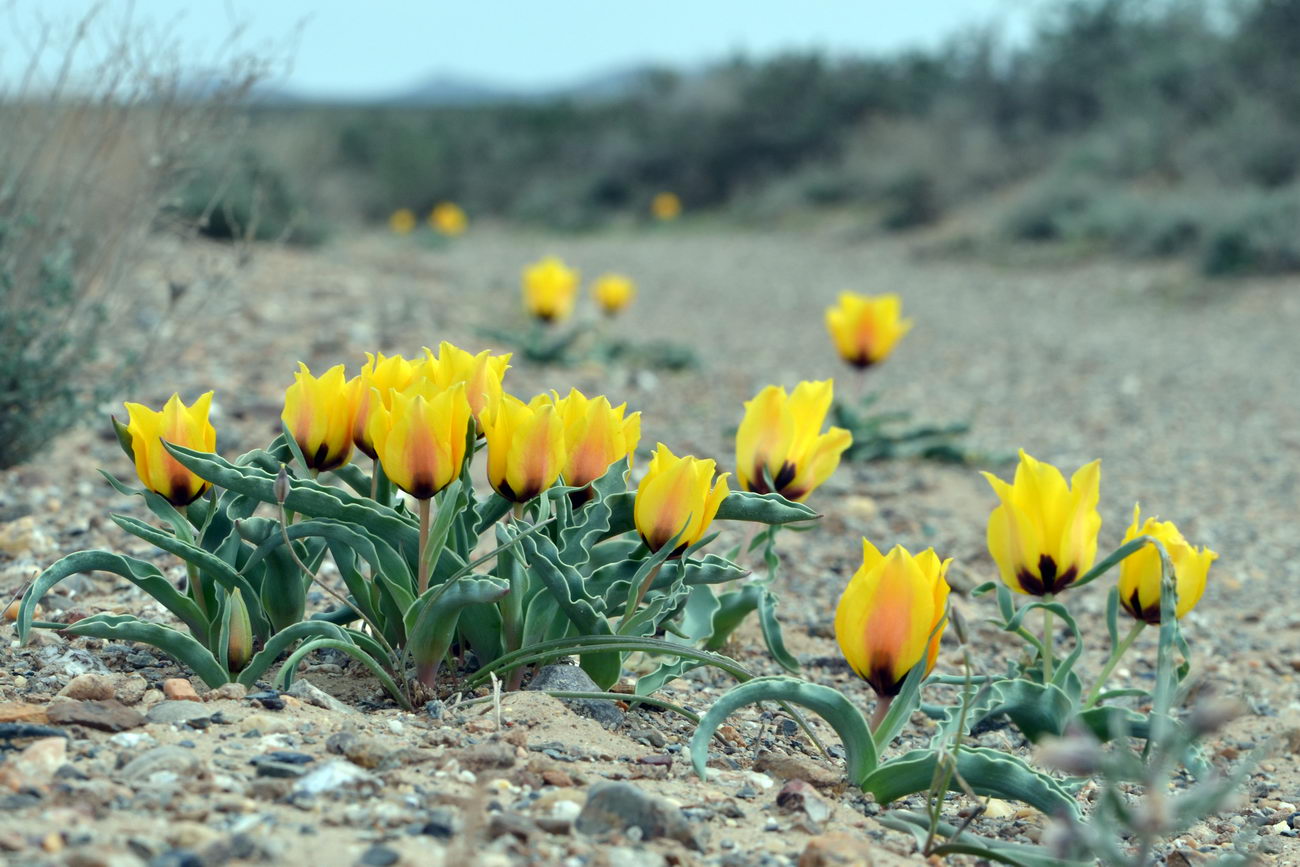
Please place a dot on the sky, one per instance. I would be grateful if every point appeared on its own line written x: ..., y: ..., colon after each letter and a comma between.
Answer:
x: 347, y: 48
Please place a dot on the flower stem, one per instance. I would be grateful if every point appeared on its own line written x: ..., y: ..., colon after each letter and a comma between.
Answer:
x: 640, y: 595
x: 374, y: 480
x: 1116, y: 653
x: 425, y: 511
x: 1047, y: 640
x: 882, y: 708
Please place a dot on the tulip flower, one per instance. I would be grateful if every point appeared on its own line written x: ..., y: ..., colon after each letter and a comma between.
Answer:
x: 595, y: 434
x: 780, y: 446
x: 550, y: 289
x: 525, y: 444
x: 613, y: 292
x: 866, y: 328
x: 447, y: 218
x: 892, y: 615
x: 380, y: 376
x: 677, y: 499
x: 176, y: 424
x: 420, y: 438
x: 482, y: 375
x: 1140, y: 572
x: 402, y: 221
x: 666, y: 206
x: 318, y: 415
x: 1043, y: 535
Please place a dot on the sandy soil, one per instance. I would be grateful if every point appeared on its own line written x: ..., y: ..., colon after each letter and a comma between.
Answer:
x: 1188, y: 393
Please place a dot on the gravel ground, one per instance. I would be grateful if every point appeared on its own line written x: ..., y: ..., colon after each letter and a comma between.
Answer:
x: 1187, y: 393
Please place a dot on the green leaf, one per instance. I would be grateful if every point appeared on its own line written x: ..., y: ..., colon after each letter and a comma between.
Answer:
x: 284, y: 679
x: 431, y: 621
x: 144, y: 575
x: 772, y: 631
x: 830, y: 704
x: 277, y: 644
x: 1017, y: 854
x: 1108, y: 722
x: 355, y: 478
x: 179, y: 646
x: 157, y: 504
x: 1035, y: 709
x: 733, y: 607
x: 738, y: 506
x: 988, y: 772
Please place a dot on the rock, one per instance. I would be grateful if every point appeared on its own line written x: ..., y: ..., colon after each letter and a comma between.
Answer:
x: 227, y: 691
x: 836, y: 849
x: 266, y: 723
x: 131, y: 689
x: 487, y: 756
x: 269, y: 699
x: 379, y: 856
x: 368, y: 753
x: 796, y: 768
x: 798, y: 796
x: 179, y: 689
x: 178, y: 712
x: 331, y: 776
x: 36, y: 765
x: 280, y: 770
x: 106, y: 716
x: 22, y: 712
x: 571, y: 678
x: 305, y: 691
x: 615, y: 807
x: 90, y: 687
x: 94, y: 857
x: 175, y: 760
x: 995, y: 808
x: 517, y: 826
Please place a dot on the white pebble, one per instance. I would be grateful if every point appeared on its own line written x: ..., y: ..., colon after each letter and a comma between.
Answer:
x: 467, y: 777
x: 566, y: 810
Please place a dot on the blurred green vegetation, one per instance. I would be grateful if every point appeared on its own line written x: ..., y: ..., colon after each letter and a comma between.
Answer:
x: 1150, y: 127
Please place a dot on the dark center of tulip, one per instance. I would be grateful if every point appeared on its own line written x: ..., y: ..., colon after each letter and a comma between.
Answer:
x: 1047, y: 580
x: 1150, y: 614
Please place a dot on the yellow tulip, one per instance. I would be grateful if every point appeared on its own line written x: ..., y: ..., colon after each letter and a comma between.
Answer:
x: 176, y: 424
x: 613, y: 292
x: 420, y: 439
x: 482, y: 375
x: 677, y: 498
x: 381, y: 375
x: 525, y: 444
x: 866, y: 328
x: 448, y: 218
x: 1139, y: 573
x: 1043, y: 536
x: 318, y: 414
x: 886, y: 620
x: 666, y: 206
x: 550, y: 289
x: 402, y: 221
x: 595, y: 435
x: 780, y: 441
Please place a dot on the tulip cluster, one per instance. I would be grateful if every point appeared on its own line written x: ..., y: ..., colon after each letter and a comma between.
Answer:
x: 550, y: 290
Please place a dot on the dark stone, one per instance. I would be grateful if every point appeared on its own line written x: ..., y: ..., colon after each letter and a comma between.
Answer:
x: 561, y: 677
x: 441, y: 824
x: 379, y: 856
x: 267, y: 698
x: 106, y: 716
x: 27, y: 731
x: 614, y: 807
x: 280, y: 770
x: 517, y: 826
x: 284, y: 757
x: 177, y: 858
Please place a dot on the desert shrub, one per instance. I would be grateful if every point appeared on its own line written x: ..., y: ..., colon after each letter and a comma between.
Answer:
x: 85, y: 165
x: 1045, y: 210
x: 1256, y: 235
x: 245, y: 198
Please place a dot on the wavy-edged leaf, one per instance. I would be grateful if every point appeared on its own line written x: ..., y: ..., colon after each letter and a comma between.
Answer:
x: 142, y: 574
x: 179, y: 646
x: 1108, y: 722
x: 771, y: 629
x: 830, y: 704
x: 733, y: 607
x: 431, y: 621
x: 988, y: 772
x: 1037, y: 710
x: 282, y: 641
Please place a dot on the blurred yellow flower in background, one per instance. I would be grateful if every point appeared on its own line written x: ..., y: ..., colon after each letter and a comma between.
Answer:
x: 613, y: 292
x: 402, y: 221
x: 666, y: 206
x: 448, y: 218
x: 550, y: 289
x: 865, y: 328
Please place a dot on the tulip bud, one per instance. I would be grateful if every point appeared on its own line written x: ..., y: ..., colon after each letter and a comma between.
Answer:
x: 281, y: 486
x: 866, y: 328
x: 677, y: 499
x: 550, y: 289
x: 1140, y: 573
x: 666, y: 206
x: 402, y: 221
x: 482, y: 375
x: 239, y: 645
x: 596, y: 435
x: 780, y: 446
x: 525, y: 447
x: 318, y: 415
x: 176, y: 424
x: 421, y: 440
x: 886, y: 620
x: 379, y: 375
x: 613, y: 293
x: 1043, y: 536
